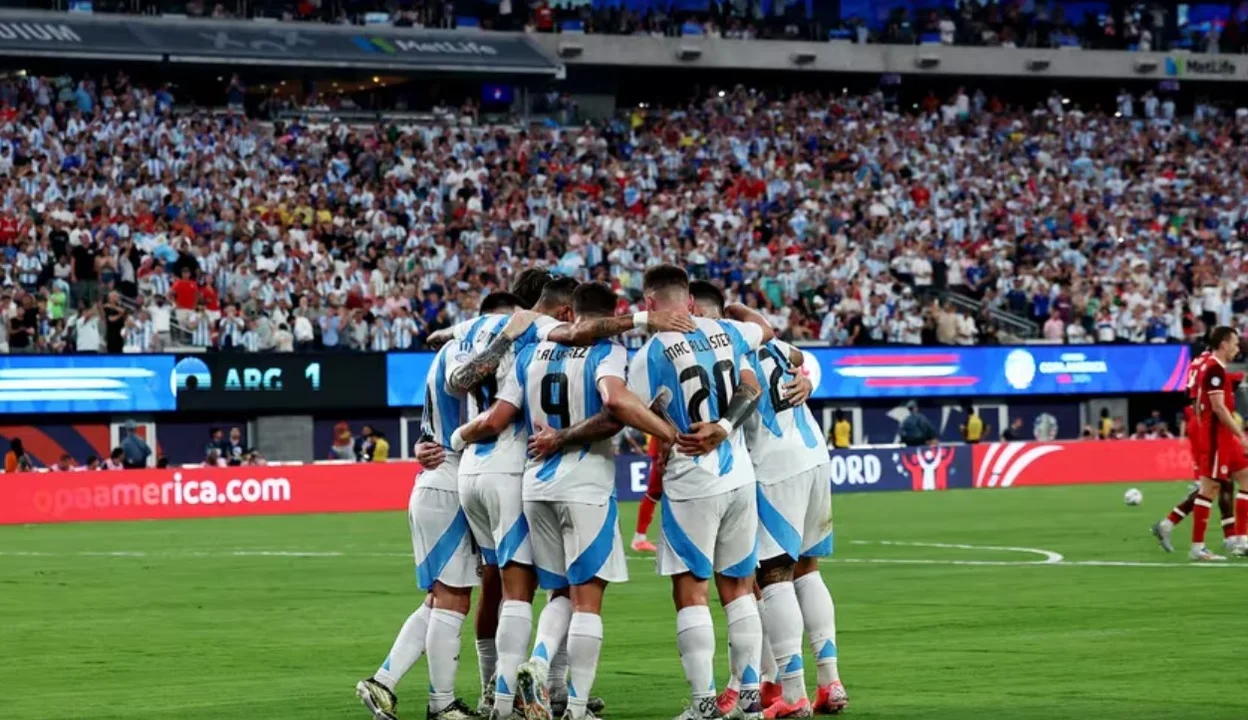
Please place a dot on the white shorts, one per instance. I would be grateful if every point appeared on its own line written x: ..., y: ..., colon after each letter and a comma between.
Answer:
x: 795, y: 515
x: 574, y: 543
x: 716, y: 534
x: 441, y: 540
x: 494, y: 505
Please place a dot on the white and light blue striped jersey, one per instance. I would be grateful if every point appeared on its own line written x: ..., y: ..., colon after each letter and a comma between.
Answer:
x: 442, y: 414
x: 506, y: 453
x: 561, y: 389
x: 783, y: 440
x: 701, y: 369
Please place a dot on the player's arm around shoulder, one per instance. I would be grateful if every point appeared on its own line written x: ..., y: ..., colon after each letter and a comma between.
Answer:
x: 590, y: 331
x: 626, y: 407
x: 750, y: 319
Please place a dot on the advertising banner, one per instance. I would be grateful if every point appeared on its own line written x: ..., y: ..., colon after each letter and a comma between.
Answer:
x: 1003, y: 465
x: 204, y: 492
x: 85, y: 384
x: 1000, y: 371
x: 854, y: 470
x: 252, y: 381
x: 34, y: 34
x: 405, y: 378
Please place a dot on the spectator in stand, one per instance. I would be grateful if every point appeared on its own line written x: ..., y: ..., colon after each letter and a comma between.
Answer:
x: 363, y: 444
x: 135, y: 451
x: 379, y: 447
x: 344, y: 444
x: 1014, y: 432
x: 234, y: 448
x: 65, y: 464
x: 16, y: 459
x: 916, y: 429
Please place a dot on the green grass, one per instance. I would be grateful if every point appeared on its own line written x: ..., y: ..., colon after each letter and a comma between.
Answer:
x: 189, y: 630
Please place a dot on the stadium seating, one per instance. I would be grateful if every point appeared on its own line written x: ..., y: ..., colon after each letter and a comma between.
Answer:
x: 843, y: 220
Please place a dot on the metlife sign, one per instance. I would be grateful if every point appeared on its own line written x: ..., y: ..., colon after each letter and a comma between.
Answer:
x: 30, y: 33
x: 1201, y: 66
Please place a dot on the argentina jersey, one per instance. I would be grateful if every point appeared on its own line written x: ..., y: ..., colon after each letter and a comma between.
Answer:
x: 443, y: 412
x: 507, y: 452
x: 783, y: 440
x: 701, y: 369
x: 561, y: 389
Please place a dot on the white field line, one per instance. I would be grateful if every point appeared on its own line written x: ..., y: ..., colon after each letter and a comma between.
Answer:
x: 1047, y: 558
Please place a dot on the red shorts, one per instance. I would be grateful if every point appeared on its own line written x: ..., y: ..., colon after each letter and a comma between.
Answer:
x: 1223, y: 460
x: 654, y: 483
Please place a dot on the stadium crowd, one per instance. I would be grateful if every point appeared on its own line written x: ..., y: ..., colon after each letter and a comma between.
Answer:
x: 1141, y: 25
x: 128, y: 227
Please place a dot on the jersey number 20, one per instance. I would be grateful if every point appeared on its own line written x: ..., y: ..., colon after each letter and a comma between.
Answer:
x: 720, y: 380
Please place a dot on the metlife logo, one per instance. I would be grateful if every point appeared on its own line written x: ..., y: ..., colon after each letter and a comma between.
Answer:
x: 1210, y: 67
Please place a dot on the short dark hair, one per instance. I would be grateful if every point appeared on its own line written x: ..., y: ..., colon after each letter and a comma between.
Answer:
x: 594, y: 299
x: 559, y: 291
x: 528, y: 286
x: 497, y: 301
x: 665, y: 277
x: 1219, y: 336
x: 707, y: 292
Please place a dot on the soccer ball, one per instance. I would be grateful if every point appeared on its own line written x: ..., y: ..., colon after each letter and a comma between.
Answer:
x: 1133, y: 497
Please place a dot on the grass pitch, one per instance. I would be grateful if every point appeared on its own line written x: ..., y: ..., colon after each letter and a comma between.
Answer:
x: 1022, y: 603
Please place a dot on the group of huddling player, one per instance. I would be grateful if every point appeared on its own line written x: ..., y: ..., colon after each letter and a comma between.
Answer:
x: 517, y: 494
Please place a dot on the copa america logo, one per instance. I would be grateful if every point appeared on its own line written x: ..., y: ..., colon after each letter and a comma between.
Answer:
x: 1020, y: 369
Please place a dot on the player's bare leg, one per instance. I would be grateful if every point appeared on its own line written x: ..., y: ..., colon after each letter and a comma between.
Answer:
x: 377, y: 692
x: 1200, y: 522
x: 450, y: 608
x: 819, y: 617
x: 649, y: 501
x: 488, y: 605
x: 1241, y: 513
x: 781, y: 614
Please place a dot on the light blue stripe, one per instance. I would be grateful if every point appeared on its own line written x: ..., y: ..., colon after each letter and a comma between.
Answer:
x: 803, y: 426
x: 693, y: 558
x: 489, y: 556
x: 471, y: 337
x: 746, y: 567
x: 443, y: 550
x: 662, y: 374
x: 823, y: 548
x: 511, y: 542
x: 766, y: 411
x: 448, y: 406
x: 789, y: 539
x: 524, y: 359
x: 554, y: 367
x: 738, y: 340
x: 591, y: 560
x: 548, y: 580
x: 826, y: 652
x: 705, y: 357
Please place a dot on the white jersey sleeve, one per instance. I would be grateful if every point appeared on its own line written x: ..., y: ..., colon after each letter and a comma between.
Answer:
x: 746, y: 336
x: 615, y: 364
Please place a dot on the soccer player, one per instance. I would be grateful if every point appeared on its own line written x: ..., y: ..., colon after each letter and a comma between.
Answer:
x: 710, y: 515
x: 1224, y: 458
x: 792, y: 466
x: 492, y: 501
x: 654, y: 490
x: 1164, y: 529
x: 568, y: 495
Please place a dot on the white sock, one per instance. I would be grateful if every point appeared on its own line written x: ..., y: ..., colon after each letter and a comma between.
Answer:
x: 557, y: 678
x: 443, y: 654
x: 638, y: 536
x: 695, y: 638
x: 407, y: 649
x: 1166, y: 524
x: 515, y: 623
x: 487, y: 659
x: 745, y: 644
x: 584, y: 647
x: 782, y: 626
x: 819, y: 616
x: 552, y: 630
x: 734, y: 672
x: 770, y: 671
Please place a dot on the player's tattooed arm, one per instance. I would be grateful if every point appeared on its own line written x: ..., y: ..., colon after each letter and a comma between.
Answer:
x: 741, y: 313
x: 629, y: 409
x: 486, y: 364
x: 704, y: 437
x: 545, y: 442
x: 588, y: 331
